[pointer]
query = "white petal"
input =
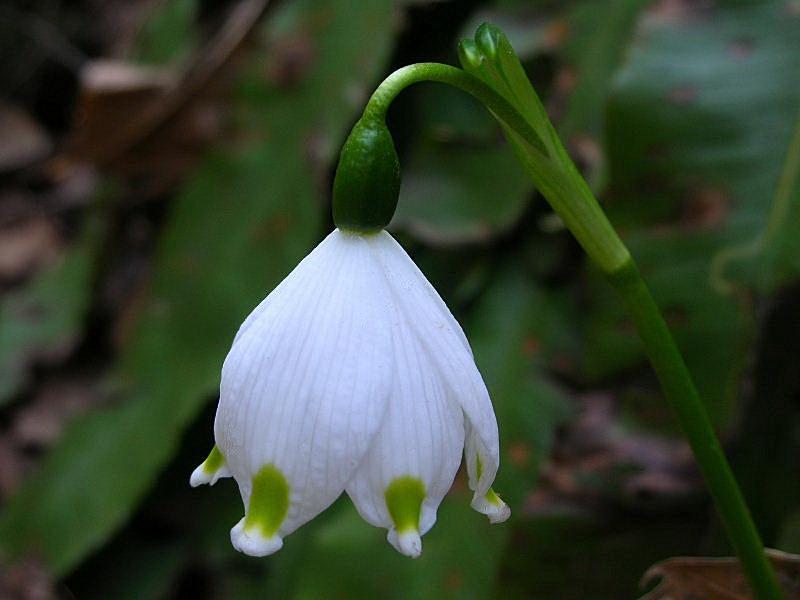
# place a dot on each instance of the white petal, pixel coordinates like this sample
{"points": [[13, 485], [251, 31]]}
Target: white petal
{"points": [[201, 476], [446, 344], [305, 385], [283, 292], [422, 437]]}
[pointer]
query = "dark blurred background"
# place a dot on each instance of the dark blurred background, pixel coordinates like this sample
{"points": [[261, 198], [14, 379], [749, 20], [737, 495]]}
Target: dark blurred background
{"points": [[164, 164]]}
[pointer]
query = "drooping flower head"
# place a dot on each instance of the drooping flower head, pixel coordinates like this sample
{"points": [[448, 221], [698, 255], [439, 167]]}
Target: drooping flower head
{"points": [[352, 375]]}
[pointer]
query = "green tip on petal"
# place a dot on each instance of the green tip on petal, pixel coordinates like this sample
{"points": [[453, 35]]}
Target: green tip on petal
{"points": [[493, 498], [492, 506], [269, 502], [214, 461], [210, 470], [404, 498]]}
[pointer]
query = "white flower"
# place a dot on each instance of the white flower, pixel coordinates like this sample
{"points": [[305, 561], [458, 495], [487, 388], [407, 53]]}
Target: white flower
{"points": [[351, 375]]}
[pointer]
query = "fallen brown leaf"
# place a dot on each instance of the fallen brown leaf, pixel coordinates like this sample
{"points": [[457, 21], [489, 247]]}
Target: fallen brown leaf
{"points": [[22, 140], [150, 125], [40, 421], [27, 246], [110, 92], [701, 578], [27, 580], [597, 461]]}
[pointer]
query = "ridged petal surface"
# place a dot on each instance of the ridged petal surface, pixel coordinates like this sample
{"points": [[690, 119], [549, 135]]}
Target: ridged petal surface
{"points": [[448, 351], [306, 383], [422, 435]]}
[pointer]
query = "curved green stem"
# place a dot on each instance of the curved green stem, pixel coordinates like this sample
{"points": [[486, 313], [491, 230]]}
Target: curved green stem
{"points": [[557, 178], [542, 155], [395, 83]]}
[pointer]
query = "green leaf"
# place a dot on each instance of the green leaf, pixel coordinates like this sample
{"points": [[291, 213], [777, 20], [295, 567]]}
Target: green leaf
{"points": [[46, 315], [168, 34], [457, 193], [136, 570], [237, 228], [711, 330], [694, 160], [600, 34], [772, 258]]}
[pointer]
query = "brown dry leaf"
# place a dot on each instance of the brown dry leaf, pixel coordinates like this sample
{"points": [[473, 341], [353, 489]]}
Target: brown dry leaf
{"points": [[22, 140], [705, 208], [27, 246], [597, 460], [27, 580], [677, 11], [112, 93], [700, 578], [39, 422], [151, 125], [14, 465], [114, 97]]}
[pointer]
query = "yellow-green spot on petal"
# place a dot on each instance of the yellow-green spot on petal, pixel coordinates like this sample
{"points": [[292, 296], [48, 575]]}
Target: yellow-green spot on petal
{"points": [[404, 498], [493, 498], [214, 462], [269, 501], [478, 467]]}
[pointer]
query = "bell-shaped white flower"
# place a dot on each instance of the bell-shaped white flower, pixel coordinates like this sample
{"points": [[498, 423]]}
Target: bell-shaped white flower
{"points": [[351, 375]]}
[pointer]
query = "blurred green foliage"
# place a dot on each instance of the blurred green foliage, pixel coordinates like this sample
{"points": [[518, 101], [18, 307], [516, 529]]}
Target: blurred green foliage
{"points": [[682, 117], [46, 316]]}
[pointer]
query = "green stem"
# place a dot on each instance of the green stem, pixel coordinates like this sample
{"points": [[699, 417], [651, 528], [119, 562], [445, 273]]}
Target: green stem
{"points": [[559, 181], [542, 154], [388, 90], [682, 395]]}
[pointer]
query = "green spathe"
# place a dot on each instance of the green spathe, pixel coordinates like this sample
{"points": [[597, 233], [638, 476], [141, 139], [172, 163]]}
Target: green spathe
{"points": [[269, 501], [404, 498], [367, 182]]}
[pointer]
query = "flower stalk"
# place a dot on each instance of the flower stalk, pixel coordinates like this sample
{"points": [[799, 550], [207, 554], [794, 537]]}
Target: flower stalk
{"points": [[681, 393], [494, 76]]}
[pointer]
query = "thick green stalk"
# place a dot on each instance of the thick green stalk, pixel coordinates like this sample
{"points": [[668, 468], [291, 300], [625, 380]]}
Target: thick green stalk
{"points": [[682, 395], [546, 160]]}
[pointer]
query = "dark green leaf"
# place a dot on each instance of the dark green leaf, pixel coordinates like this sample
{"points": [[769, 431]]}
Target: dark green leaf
{"points": [[518, 330], [46, 315], [600, 35], [461, 193], [698, 127], [168, 34]]}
